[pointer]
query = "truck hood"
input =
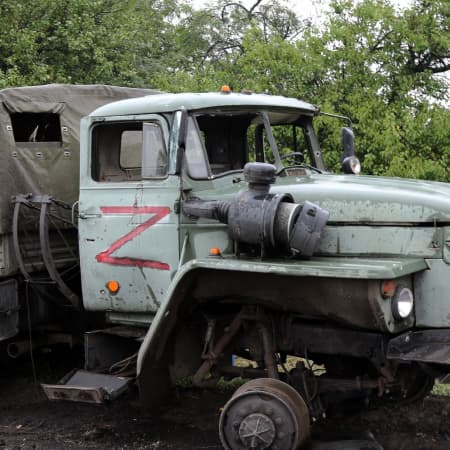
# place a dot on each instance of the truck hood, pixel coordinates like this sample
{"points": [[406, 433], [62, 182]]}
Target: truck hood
{"points": [[371, 199]]}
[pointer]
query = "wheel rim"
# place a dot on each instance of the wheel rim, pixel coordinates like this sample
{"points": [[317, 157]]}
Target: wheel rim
{"points": [[264, 414]]}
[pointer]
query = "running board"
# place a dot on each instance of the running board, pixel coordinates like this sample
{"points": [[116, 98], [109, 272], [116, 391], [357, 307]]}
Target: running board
{"points": [[87, 387]]}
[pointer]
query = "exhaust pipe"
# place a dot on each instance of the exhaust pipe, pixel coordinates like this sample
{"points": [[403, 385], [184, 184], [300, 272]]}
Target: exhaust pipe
{"points": [[19, 348]]}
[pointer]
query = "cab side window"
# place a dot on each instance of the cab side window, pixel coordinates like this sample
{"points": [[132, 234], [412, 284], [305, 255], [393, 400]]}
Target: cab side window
{"points": [[128, 151]]}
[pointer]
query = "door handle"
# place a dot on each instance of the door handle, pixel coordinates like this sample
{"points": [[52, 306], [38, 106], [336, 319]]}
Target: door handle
{"points": [[88, 216]]}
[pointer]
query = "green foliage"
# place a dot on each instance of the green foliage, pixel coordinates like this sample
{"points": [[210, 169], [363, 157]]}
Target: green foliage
{"points": [[441, 389], [87, 41], [369, 61]]}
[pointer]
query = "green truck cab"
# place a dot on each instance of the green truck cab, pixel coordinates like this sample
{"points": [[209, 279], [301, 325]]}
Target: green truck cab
{"points": [[210, 221]]}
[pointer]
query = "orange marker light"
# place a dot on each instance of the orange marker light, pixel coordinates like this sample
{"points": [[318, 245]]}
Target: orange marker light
{"points": [[388, 288], [225, 89], [214, 251], [113, 286]]}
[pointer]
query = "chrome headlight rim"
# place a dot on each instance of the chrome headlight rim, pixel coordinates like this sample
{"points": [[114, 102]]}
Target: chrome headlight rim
{"points": [[402, 303]]}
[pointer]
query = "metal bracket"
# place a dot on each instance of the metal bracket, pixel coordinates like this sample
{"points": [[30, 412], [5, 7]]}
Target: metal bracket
{"points": [[429, 346], [41, 203]]}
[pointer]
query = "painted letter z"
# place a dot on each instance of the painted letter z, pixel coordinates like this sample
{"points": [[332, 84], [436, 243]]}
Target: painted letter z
{"points": [[159, 212]]}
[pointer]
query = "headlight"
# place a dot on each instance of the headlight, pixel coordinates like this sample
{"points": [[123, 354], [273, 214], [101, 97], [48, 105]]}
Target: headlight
{"points": [[402, 303]]}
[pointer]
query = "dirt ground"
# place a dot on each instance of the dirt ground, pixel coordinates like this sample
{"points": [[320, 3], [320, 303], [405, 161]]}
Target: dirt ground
{"points": [[29, 421]]}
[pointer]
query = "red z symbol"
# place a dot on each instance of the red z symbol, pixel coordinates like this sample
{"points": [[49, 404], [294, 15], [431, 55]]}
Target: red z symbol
{"points": [[159, 213]]}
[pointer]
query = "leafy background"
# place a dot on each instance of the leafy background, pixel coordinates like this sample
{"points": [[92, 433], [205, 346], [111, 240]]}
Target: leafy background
{"points": [[384, 67]]}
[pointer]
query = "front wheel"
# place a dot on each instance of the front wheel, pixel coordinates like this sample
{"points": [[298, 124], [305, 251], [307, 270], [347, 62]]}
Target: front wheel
{"points": [[264, 414]]}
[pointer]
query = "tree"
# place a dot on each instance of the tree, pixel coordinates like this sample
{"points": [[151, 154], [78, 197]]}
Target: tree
{"points": [[366, 63], [87, 41], [389, 60], [367, 60]]}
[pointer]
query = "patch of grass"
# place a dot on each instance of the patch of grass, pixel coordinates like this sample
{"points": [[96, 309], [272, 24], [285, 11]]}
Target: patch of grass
{"points": [[183, 382], [441, 389], [222, 384], [230, 385]]}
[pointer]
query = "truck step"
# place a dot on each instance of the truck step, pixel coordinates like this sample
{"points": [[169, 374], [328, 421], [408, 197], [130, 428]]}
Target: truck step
{"points": [[87, 387]]}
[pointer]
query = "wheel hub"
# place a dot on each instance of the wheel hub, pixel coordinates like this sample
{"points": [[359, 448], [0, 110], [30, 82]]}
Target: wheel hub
{"points": [[257, 431], [264, 414]]}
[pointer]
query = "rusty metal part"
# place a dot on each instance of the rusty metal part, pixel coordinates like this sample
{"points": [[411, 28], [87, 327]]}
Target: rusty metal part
{"points": [[58, 256], [269, 356], [15, 349], [104, 348], [9, 309], [264, 414], [213, 355], [258, 430], [305, 382], [209, 336], [18, 348], [411, 384], [428, 346], [387, 372], [342, 385], [294, 336], [87, 387]]}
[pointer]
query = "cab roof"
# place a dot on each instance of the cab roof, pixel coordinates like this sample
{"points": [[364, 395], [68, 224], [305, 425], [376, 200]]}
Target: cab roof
{"points": [[162, 103]]}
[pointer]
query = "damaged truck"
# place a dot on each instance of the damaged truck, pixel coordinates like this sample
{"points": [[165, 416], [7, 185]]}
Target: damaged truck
{"points": [[202, 237], [210, 229]]}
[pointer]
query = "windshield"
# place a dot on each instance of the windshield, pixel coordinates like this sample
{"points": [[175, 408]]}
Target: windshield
{"points": [[224, 141]]}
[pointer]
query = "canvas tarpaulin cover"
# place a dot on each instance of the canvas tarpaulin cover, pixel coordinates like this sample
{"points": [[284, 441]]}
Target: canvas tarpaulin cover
{"points": [[39, 139]]}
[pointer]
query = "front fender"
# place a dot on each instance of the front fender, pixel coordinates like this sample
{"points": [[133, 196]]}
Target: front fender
{"points": [[152, 349]]}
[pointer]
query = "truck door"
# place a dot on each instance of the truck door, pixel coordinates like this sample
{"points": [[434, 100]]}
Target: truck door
{"points": [[128, 229]]}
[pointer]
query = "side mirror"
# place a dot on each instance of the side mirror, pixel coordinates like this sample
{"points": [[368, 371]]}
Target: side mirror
{"points": [[349, 162], [351, 165], [348, 142]]}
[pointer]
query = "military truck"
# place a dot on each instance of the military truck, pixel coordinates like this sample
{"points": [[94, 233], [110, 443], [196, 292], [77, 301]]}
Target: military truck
{"points": [[210, 232], [39, 170]]}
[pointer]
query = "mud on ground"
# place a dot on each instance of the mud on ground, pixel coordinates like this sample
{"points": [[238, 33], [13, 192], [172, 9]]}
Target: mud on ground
{"points": [[29, 421]]}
